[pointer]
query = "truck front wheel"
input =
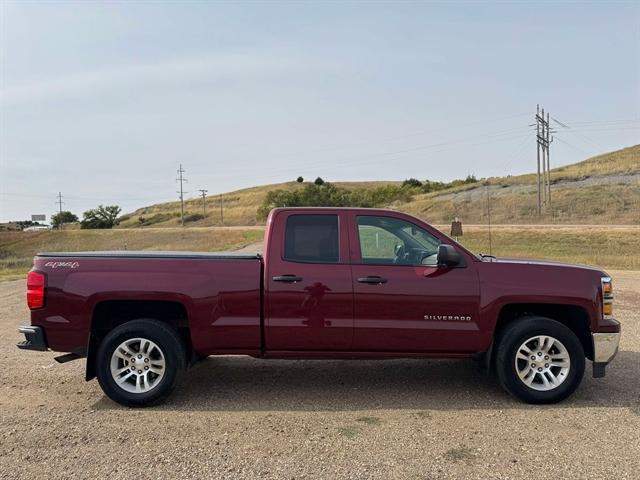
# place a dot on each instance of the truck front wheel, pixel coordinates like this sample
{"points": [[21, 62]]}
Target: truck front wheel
{"points": [[539, 360], [138, 362]]}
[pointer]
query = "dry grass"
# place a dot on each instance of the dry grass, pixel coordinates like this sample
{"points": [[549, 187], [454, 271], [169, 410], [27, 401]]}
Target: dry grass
{"points": [[18, 248], [614, 248], [597, 204], [617, 248]]}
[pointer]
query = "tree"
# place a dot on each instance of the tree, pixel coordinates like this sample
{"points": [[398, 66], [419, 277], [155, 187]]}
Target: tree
{"points": [[61, 218], [101, 217], [22, 224], [318, 181], [299, 179]]}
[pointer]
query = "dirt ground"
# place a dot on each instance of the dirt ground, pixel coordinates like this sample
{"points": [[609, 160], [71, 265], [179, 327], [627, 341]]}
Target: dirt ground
{"points": [[245, 418]]}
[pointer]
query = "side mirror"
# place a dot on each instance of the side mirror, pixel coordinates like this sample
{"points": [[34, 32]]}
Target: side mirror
{"points": [[448, 256]]}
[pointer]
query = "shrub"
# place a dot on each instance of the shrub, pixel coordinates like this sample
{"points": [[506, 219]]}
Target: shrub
{"points": [[299, 179], [328, 195], [194, 217], [412, 182]]}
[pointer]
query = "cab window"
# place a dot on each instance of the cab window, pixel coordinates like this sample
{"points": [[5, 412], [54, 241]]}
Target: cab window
{"points": [[392, 241], [312, 239]]}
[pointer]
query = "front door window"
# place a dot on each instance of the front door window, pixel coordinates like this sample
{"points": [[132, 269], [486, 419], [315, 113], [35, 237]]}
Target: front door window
{"points": [[392, 241]]}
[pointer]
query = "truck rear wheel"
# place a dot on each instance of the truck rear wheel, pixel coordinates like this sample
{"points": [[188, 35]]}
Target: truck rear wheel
{"points": [[138, 363], [539, 360]]}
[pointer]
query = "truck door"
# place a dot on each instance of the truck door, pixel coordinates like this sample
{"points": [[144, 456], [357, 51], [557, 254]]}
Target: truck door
{"points": [[308, 287], [403, 302]]}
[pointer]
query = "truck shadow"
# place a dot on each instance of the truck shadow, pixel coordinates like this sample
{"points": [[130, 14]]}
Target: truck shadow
{"points": [[243, 383]]}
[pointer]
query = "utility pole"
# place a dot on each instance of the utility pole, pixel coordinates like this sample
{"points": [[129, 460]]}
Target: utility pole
{"points": [[221, 214], [181, 179], [59, 202], [538, 144], [203, 192], [549, 140], [543, 140]]}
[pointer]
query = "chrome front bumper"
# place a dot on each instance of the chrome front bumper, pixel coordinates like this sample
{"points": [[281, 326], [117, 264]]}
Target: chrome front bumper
{"points": [[605, 348]]}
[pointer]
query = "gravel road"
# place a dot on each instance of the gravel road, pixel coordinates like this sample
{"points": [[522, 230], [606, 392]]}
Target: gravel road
{"points": [[245, 418]]}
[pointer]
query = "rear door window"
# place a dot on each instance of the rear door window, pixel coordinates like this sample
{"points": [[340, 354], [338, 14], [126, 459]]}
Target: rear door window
{"points": [[312, 239]]}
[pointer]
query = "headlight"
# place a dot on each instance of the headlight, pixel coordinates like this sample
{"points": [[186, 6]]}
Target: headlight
{"points": [[607, 297]]}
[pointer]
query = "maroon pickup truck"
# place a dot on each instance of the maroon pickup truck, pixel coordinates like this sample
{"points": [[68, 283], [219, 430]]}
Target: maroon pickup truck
{"points": [[331, 283]]}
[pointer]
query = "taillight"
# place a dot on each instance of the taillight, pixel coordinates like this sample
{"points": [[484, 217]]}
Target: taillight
{"points": [[607, 297], [35, 290]]}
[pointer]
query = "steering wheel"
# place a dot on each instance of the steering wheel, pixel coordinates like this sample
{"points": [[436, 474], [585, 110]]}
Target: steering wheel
{"points": [[400, 253]]}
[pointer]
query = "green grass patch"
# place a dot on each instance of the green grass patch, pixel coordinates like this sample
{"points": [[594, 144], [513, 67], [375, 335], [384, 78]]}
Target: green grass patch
{"points": [[461, 454], [350, 431]]}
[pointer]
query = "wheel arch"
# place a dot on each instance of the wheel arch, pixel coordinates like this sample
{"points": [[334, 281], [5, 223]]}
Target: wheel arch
{"points": [[110, 314], [574, 317]]}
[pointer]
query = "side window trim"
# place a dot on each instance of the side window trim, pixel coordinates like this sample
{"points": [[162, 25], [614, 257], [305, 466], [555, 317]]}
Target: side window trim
{"points": [[356, 226]]}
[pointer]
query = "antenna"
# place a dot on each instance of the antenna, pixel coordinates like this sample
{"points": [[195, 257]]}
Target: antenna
{"points": [[486, 189]]}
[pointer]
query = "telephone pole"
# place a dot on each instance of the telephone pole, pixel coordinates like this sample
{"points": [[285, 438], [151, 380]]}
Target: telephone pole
{"points": [[181, 179], [221, 214], [549, 140], [59, 202], [538, 151], [203, 192], [543, 140]]}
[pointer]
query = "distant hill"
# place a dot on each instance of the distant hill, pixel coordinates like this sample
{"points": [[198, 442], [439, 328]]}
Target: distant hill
{"points": [[601, 190]]}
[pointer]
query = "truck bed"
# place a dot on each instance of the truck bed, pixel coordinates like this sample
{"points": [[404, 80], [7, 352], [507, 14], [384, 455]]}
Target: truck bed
{"points": [[218, 294]]}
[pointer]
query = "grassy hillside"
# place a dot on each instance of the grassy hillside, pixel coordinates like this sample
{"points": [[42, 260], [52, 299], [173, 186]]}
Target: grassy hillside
{"points": [[239, 207], [600, 190]]}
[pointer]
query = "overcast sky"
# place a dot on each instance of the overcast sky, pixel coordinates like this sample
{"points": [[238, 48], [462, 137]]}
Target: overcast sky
{"points": [[102, 101]]}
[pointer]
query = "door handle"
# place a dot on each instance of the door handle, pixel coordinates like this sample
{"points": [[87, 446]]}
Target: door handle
{"points": [[372, 280], [287, 278]]}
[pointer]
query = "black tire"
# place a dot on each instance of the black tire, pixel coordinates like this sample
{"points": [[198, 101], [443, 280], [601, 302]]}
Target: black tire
{"points": [[519, 331], [165, 337]]}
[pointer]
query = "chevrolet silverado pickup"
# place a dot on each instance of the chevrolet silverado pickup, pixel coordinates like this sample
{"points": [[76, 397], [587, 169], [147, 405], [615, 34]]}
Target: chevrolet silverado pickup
{"points": [[331, 283]]}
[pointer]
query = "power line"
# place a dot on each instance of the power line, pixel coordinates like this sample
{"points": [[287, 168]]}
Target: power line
{"points": [[572, 146], [366, 159], [181, 179], [582, 135], [401, 137]]}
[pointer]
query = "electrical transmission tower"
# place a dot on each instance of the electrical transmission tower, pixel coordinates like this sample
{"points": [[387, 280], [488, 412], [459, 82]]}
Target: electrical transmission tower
{"points": [[203, 192], [543, 140], [181, 179], [59, 202]]}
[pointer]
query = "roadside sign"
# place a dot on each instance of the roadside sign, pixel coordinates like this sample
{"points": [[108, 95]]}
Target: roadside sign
{"points": [[38, 218]]}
